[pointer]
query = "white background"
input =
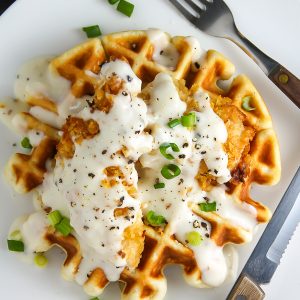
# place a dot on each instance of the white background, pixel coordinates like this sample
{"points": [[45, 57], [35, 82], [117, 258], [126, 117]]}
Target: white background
{"points": [[35, 27]]}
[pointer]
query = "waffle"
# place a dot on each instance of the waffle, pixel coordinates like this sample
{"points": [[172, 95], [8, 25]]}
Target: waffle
{"points": [[258, 160]]}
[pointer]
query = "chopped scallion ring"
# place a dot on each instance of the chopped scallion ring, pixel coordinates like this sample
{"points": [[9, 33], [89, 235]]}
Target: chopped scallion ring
{"points": [[92, 31], [246, 103], [174, 123], [170, 171], [207, 207], [159, 185], [154, 219], [188, 120], [16, 235], [125, 8], [41, 260], [112, 2], [64, 226], [16, 246], [54, 217], [25, 143], [165, 146], [194, 238]]}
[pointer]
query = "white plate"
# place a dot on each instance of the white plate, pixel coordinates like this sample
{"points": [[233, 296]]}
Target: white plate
{"points": [[37, 27]]}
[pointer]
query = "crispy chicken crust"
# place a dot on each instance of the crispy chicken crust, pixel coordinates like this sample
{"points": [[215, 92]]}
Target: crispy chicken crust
{"points": [[75, 130]]}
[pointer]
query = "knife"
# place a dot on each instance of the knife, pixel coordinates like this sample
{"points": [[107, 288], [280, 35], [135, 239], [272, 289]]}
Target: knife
{"points": [[266, 256]]}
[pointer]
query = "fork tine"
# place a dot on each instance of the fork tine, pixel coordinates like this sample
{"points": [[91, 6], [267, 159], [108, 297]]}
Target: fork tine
{"points": [[194, 6], [184, 11]]}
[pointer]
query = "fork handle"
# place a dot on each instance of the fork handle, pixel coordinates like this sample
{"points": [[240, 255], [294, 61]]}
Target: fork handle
{"points": [[287, 82]]}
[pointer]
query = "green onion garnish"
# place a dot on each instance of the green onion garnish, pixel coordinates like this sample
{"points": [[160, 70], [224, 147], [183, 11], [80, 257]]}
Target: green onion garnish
{"points": [[95, 298], [54, 217], [17, 246], [170, 171], [207, 207], [92, 31], [159, 185], [154, 219], [174, 123], [40, 260], [125, 8], [188, 120], [246, 103], [16, 235], [165, 146], [64, 226], [112, 2], [194, 238], [25, 143]]}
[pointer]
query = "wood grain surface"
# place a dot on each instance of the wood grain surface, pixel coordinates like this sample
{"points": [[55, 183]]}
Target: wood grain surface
{"points": [[287, 82], [245, 288]]}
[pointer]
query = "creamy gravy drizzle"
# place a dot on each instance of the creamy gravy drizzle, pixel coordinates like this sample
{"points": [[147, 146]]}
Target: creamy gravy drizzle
{"points": [[198, 54], [9, 110], [164, 53], [71, 188], [76, 183], [174, 201], [37, 78]]}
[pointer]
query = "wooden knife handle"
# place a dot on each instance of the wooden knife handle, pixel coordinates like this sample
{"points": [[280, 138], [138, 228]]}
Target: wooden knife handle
{"points": [[247, 289], [287, 82]]}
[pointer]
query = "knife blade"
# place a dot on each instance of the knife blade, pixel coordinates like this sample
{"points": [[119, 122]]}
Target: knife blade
{"points": [[266, 256]]}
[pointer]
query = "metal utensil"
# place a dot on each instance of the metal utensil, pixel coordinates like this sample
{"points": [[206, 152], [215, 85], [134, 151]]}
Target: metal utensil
{"points": [[266, 256], [215, 18], [4, 4]]}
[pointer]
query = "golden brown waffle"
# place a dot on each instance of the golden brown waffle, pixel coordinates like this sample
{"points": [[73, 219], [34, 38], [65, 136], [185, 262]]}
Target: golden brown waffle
{"points": [[26, 171], [73, 66], [257, 161]]}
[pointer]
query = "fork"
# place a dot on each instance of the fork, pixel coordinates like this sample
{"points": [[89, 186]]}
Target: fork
{"points": [[215, 18]]}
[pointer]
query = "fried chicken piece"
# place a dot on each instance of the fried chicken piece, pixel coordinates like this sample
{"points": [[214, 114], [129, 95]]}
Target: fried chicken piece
{"points": [[133, 243], [114, 176], [240, 135], [103, 98], [76, 129], [206, 181]]}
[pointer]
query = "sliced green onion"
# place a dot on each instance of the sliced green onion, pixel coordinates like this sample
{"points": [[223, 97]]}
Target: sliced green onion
{"points": [[16, 235], [194, 238], [112, 2], [92, 31], [64, 226], [188, 120], [40, 260], [54, 217], [165, 146], [207, 207], [246, 103], [174, 123], [95, 298], [125, 8], [170, 171], [154, 219], [17, 246], [159, 185], [25, 143]]}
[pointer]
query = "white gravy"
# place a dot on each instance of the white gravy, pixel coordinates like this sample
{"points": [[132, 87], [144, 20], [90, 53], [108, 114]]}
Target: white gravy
{"points": [[74, 187]]}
